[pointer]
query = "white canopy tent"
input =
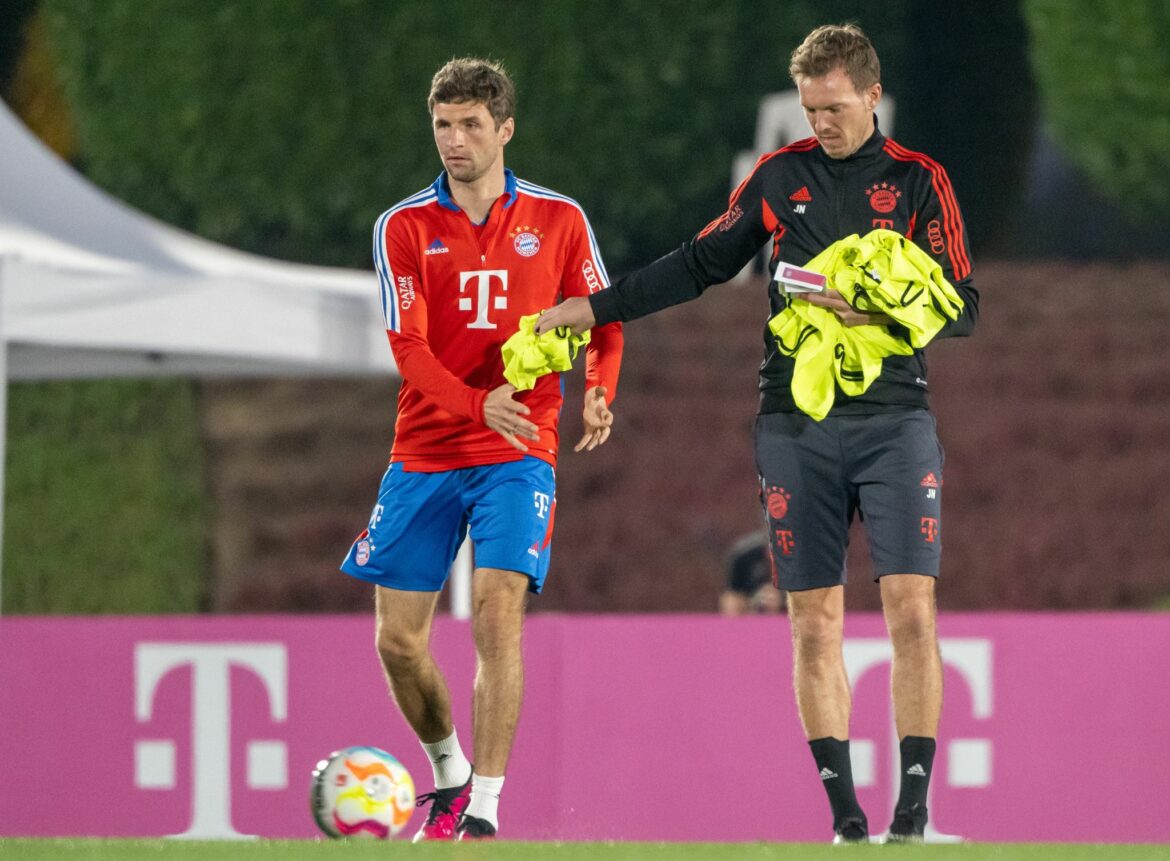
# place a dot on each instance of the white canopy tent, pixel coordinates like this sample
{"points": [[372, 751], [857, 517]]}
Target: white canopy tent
{"points": [[92, 288]]}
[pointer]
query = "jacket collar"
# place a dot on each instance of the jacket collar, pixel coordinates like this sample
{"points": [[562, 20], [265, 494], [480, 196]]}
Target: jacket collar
{"points": [[872, 146], [442, 187]]}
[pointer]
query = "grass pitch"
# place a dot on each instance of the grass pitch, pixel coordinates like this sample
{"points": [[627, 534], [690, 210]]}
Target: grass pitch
{"points": [[292, 850]]}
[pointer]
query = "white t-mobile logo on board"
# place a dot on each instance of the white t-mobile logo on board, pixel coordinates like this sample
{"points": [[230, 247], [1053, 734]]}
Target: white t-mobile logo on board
{"points": [[964, 763], [209, 668], [481, 293]]}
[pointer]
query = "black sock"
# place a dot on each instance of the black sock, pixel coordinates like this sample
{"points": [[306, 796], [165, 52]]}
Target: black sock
{"points": [[917, 763], [832, 758]]}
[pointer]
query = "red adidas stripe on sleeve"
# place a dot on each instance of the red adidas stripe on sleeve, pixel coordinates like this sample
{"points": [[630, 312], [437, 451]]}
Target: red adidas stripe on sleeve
{"points": [[798, 146], [952, 220]]}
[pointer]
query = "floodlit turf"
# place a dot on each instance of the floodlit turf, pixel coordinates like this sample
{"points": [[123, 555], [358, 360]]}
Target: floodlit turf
{"points": [[291, 850]]}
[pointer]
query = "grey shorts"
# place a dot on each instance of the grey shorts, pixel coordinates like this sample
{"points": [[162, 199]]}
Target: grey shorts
{"points": [[815, 475]]}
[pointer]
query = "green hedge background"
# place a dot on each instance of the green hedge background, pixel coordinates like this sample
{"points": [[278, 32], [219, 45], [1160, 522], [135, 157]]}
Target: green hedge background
{"points": [[106, 511], [1104, 72], [285, 128]]}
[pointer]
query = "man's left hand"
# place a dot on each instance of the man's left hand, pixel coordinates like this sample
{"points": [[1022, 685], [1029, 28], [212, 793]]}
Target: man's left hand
{"points": [[598, 420], [833, 300]]}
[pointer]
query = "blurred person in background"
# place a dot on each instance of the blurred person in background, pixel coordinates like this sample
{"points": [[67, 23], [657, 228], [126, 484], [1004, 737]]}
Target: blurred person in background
{"points": [[876, 453], [460, 263], [748, 587]]}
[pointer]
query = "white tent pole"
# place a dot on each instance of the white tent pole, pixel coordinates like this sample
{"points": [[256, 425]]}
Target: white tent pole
{"points": [[3, 425], [461, 582]]}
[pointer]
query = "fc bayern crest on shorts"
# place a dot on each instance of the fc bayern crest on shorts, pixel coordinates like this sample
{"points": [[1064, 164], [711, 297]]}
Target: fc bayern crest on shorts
{"points": [[527, 242], [363, 553], [777, 502]]}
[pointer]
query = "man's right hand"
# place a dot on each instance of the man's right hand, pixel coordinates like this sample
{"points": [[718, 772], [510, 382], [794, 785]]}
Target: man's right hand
{"points": [[506, 417], [845, 312], [575, 312]]}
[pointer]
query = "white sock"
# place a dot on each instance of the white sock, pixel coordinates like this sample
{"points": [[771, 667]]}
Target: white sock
{"points": [[450, 765], [485, 798]]}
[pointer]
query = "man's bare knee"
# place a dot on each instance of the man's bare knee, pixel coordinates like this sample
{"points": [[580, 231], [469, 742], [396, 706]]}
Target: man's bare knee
{"points": [[909, 606], [817, 620], [400, 651], [498, 612], [404, 627], [914, 626], [497, 626], [816, 642]]}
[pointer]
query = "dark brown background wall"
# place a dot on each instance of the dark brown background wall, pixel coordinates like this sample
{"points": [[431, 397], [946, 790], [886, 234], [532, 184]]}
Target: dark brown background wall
{"points": [[1055, 417]]}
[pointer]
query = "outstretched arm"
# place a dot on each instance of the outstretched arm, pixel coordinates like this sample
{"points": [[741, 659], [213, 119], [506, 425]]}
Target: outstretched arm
{"points": [[713, 256], [575, 312]]}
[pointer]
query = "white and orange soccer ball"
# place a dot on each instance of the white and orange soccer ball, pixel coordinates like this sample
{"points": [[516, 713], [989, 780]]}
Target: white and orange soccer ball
{"points": [[361, 792]]}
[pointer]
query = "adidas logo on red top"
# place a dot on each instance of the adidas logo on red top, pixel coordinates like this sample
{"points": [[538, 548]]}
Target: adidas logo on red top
{"points": [[929, 480], [801, 196], [437, 247]]}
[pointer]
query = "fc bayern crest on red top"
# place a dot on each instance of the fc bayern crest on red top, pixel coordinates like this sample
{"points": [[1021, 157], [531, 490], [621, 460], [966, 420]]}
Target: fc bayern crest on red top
{"points": [[883, 197], [526, 240]]}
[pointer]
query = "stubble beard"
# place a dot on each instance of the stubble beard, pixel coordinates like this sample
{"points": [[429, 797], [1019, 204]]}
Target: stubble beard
{"points": [[466, 172]]}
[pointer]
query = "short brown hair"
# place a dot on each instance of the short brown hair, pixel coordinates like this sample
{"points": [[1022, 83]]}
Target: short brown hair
{"points": [[469, 79], [837, 46]]}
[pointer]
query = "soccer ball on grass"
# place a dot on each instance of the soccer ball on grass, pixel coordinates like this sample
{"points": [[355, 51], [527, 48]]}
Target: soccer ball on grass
{"points": [[361, 792]]}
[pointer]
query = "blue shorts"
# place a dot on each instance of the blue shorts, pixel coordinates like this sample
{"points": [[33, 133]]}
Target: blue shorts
{"points": [[421, 519]]}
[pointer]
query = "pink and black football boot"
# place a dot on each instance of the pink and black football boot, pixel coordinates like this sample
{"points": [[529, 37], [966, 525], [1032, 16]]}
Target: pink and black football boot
{"points": [[447, 805], [474, 828]]}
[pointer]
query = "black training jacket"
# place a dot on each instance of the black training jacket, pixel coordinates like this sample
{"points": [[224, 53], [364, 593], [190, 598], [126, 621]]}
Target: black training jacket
{"points": [[803, 201]]}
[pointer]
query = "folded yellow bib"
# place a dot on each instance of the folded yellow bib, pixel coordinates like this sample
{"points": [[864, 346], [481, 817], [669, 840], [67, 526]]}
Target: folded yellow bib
{"points": [[528, 356], [879, 273]]}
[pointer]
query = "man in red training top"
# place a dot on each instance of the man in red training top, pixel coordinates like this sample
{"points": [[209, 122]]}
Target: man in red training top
{"points": [[460, 263]]}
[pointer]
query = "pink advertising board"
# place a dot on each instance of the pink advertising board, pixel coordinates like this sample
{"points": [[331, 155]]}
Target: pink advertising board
{"points": [[1055, 728]]}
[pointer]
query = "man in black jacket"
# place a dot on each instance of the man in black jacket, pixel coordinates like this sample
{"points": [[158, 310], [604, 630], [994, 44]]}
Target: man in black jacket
{"points": [[875, 452]]}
